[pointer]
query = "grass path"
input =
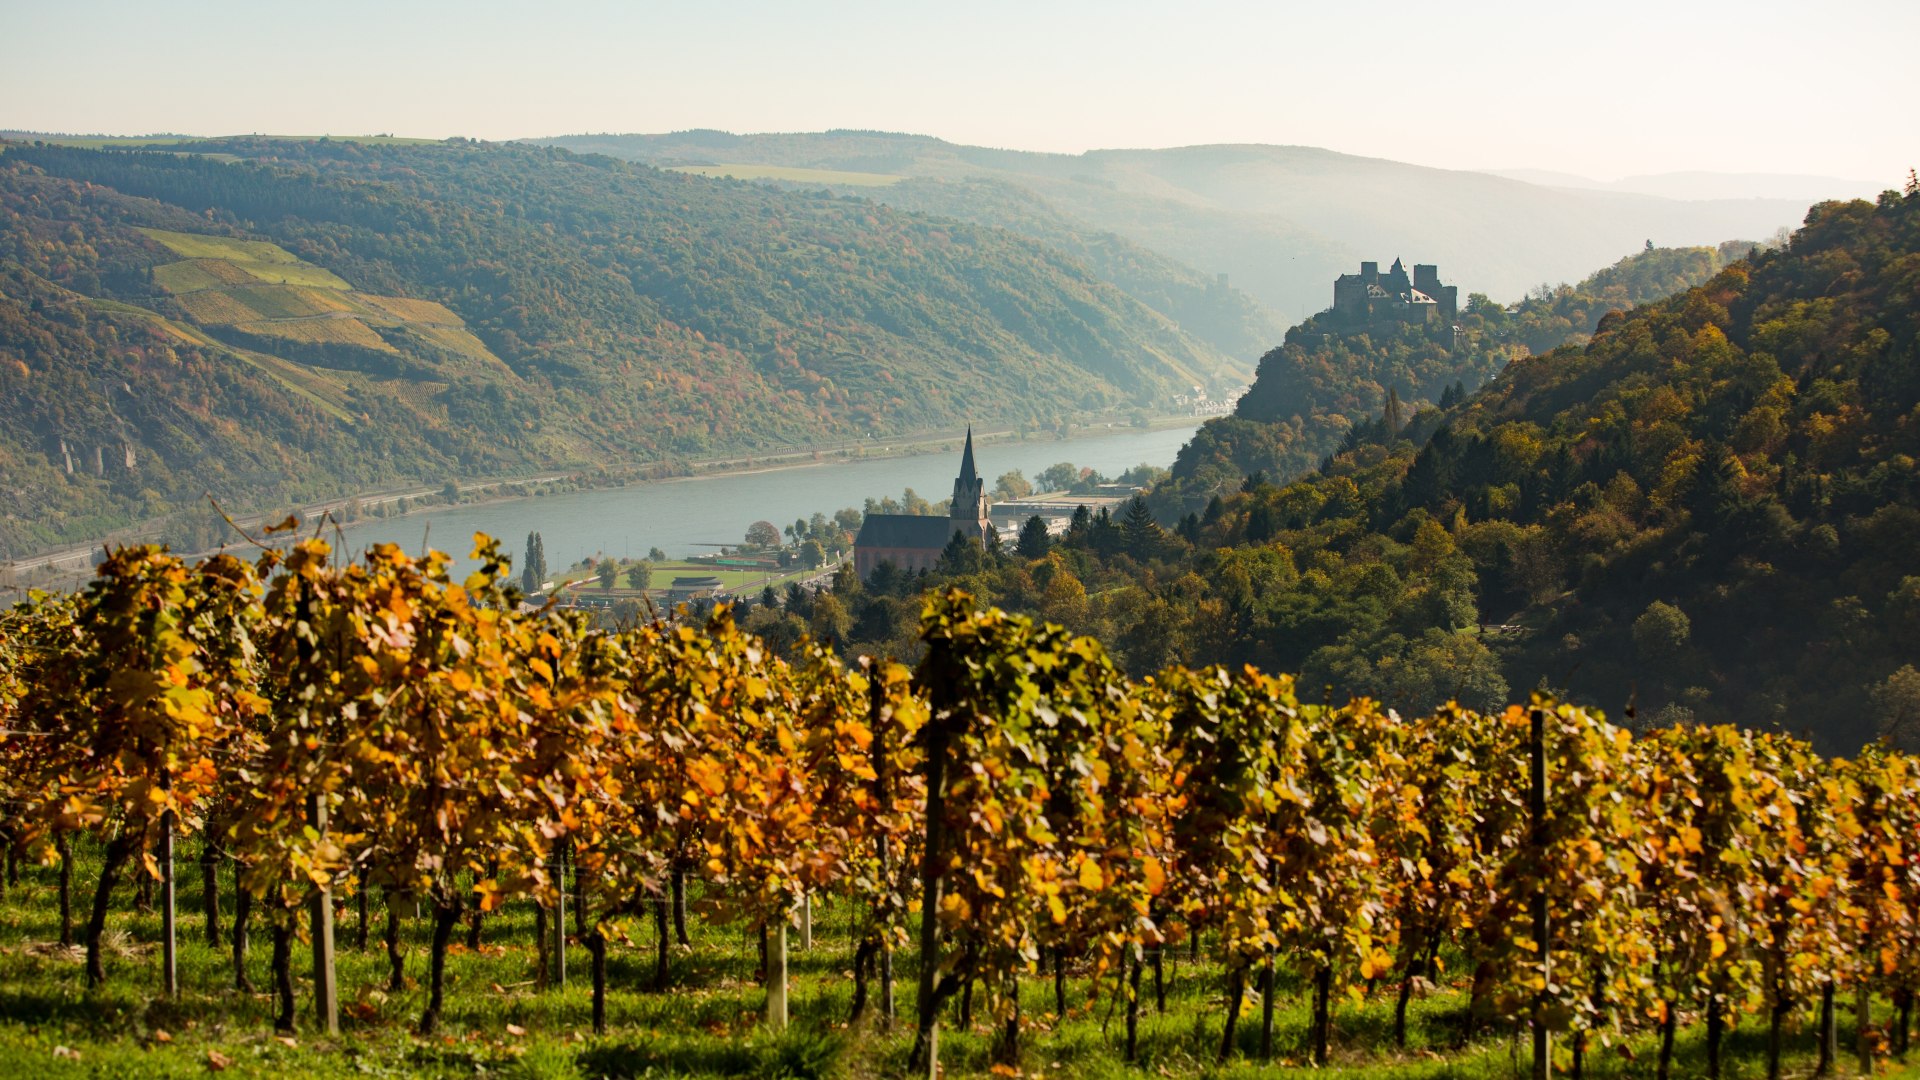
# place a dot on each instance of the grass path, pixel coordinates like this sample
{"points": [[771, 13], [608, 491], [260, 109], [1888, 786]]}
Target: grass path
{"points": [[706, 1025]]}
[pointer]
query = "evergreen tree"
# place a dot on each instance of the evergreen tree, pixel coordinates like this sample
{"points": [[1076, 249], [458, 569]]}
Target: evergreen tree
{"points": [[962, 555], [533, 570], [1107, 538], [1033, 542], [1139, 531], [1081, 526]]}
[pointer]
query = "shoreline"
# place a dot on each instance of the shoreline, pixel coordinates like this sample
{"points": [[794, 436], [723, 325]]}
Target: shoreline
{"points": [[65, 567]]}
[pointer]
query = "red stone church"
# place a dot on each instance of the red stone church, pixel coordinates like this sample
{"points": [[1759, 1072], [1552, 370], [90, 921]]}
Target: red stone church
{"points": [[913, 542]]}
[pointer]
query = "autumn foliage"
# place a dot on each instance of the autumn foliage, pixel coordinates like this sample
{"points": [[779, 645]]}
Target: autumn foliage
{"points": [[1025, 796]]}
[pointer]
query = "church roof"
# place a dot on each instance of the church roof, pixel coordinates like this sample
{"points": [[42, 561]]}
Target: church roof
{"points": [[907, 531]]}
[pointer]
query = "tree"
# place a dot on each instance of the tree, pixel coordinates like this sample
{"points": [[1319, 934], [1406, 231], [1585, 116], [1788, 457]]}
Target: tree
{"points": [[1034, 541], [962, 555], [812, 554], [1140, 532], [533, 570], [639, 576], [1059, 477], [654, 554], [1012, 485], [762, 535], [1081, 526], [1661, 632], [607, 572]]}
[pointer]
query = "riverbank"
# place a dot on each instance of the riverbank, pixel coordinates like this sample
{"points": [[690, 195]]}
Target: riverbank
{"points": [[70, 567]]}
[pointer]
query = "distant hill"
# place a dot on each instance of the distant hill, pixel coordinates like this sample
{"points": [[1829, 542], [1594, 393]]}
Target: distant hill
{"points": [[275, 320], [1280, 221], [1707, 185]]}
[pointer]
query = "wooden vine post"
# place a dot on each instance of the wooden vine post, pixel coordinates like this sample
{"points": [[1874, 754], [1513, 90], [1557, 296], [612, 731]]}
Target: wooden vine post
{"points": [[559, 969], [326, 995], [926, 1052], [1542, 939], [886, 956], [777, 975], [169, 940]]}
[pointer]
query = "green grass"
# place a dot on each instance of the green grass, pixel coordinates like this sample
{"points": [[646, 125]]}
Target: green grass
{"points": [[793, 174], [708, 1025], [267, 262], [664, 573]]}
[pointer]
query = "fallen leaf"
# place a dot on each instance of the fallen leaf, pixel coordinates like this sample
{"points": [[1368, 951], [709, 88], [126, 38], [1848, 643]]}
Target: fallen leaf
{"points": [[289, 1042], [216, 1061], [516, 1030], [160, 1036], [64, 1052]]}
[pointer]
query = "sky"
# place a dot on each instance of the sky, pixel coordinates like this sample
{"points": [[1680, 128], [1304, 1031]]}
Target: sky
{"points": [[1605, 89]]}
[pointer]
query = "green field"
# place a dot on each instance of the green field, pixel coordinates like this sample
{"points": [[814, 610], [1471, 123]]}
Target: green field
{"points": [[664, 573], [267, 262], [793, 174], [265, 290], [705, 1024]]}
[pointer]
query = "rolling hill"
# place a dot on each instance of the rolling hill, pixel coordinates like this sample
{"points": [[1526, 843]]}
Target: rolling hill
{"points": [[1281, 221], [342, 313]]}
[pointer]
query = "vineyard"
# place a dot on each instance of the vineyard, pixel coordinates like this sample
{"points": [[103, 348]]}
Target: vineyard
{"points": [[1024, 857]]}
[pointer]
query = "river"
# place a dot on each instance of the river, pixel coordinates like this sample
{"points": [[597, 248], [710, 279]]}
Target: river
{"points": [[686, 517]]}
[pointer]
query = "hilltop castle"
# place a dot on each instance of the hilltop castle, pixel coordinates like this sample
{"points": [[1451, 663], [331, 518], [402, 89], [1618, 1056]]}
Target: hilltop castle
{"points": [[1373, 297], [915, 541]]}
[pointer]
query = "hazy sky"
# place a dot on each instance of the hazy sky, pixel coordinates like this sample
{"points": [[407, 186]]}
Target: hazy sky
{"points": [[1606, 89]]}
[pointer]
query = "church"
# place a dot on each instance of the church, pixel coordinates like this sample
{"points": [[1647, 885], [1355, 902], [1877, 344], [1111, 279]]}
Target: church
{"points": [[913, 542]]}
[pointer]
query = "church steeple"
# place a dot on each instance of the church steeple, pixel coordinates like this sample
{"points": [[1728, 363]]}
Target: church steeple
{"points": [[969, 491]]}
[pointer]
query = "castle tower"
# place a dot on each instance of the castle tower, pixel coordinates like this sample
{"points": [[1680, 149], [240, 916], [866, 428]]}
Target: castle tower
{"points": [[969, 491]]}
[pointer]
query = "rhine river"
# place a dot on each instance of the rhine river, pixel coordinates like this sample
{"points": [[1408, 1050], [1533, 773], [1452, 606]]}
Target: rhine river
{"points": [[686, 517]]}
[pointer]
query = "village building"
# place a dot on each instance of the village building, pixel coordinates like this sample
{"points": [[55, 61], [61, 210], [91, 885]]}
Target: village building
{"points": [[1371, 297], [913, 542], [685, 589]]}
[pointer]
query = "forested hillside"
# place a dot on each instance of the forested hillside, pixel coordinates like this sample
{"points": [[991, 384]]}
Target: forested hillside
{"points": [[273, 320], [1204, 305], [1707, 511], [1323, 385]]}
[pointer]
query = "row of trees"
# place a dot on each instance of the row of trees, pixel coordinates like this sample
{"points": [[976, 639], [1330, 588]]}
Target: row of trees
{"points": [[379, 726]]}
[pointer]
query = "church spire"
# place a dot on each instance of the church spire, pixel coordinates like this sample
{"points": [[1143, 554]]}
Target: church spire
{"points": [[969, 491], [967, 472]]}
